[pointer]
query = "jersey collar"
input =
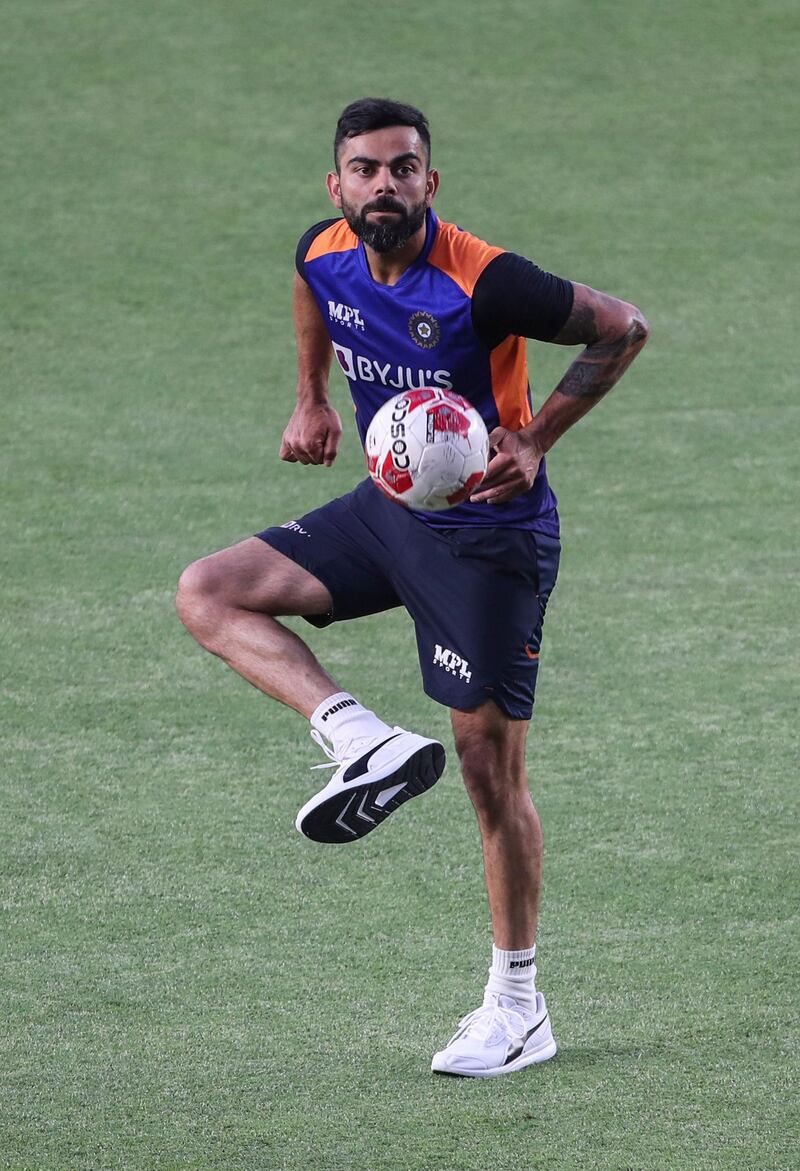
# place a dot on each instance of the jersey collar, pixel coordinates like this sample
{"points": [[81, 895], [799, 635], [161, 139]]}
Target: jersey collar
{"points": [[431, 228]]}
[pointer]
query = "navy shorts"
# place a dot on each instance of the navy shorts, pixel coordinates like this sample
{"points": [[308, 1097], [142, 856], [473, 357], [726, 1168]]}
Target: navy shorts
{"points": [[477, 595]]}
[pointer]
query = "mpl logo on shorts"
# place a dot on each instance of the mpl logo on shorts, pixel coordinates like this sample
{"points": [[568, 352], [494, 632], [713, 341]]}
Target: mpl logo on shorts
{"points": [[345, 315], [452, 663]]}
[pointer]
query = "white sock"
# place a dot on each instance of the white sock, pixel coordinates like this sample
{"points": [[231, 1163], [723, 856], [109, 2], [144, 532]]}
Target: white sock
{"points": [[513, 973], [342, 719]]}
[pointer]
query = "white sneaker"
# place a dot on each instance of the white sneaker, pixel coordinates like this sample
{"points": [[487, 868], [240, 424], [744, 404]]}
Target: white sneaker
{"points": [[369, 784], [499, 1037]]}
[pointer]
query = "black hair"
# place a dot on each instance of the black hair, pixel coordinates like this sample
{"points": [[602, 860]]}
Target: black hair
{"points": [[374, 114]]}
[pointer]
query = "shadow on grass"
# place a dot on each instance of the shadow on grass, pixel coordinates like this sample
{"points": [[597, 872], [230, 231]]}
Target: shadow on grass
{"points": [[583, 1056]]}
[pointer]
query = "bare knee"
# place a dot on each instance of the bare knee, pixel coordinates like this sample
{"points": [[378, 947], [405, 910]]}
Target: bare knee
{"points": [[236, 578], [200, 600], [249, 577], [488, 785], [493, 768]]}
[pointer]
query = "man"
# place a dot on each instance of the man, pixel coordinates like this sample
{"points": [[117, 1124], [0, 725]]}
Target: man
{"points": [[405, 300]]}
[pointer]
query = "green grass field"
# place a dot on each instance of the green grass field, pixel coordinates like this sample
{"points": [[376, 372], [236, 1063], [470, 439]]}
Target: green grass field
{"points": [[186, 982]]}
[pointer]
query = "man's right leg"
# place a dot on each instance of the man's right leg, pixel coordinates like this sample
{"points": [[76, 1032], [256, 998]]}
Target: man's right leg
{"points": [[228, 602]]}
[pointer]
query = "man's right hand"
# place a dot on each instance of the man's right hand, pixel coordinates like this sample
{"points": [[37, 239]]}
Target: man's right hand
{"points": [[312, 435]]}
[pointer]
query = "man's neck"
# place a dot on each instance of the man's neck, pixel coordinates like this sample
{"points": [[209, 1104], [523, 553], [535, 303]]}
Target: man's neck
{"points": [[387, 268]]}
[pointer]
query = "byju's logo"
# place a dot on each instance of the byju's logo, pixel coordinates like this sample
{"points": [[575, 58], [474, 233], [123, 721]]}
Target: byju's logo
{"points": [[452, 663], [345, 315], [296, 528], [360, 369]]}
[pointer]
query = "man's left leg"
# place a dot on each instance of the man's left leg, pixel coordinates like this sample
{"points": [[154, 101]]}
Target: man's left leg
{"points": [[491, 751], [512, 1028]]}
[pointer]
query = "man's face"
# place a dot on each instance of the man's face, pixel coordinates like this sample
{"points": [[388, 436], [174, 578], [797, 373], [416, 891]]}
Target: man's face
{"points": [[383, 186]]}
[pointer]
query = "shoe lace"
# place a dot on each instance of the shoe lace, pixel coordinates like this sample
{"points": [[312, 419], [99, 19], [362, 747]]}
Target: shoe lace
{"points": [[492, 1022], [350, 751], [319, 739]]}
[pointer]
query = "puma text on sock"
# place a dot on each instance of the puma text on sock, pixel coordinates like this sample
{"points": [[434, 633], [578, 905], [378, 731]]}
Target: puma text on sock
{"points": [[513, 973], [342, 720]]}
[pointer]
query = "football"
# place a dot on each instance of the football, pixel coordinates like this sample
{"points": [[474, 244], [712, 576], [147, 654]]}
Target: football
{"points": [[427, 449]]}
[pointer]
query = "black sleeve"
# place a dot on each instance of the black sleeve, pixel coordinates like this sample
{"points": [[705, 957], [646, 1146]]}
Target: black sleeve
{"points": [[306, 241], [514, 296]]}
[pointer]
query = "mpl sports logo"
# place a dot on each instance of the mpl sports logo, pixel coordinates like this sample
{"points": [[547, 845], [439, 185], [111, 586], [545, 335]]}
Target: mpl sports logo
{"points": [[358, 368], [345, 315], [452, 663]]}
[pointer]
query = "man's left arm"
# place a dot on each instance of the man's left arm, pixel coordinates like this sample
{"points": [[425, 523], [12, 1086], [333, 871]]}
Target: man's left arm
{"points": [[613, 333]]}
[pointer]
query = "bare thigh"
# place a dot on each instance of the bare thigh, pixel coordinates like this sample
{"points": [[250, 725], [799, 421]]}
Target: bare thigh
{"points": [[253, 576]]}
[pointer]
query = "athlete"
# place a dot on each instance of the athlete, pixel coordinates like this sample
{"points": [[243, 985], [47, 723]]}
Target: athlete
{"points": [[405, 300]]}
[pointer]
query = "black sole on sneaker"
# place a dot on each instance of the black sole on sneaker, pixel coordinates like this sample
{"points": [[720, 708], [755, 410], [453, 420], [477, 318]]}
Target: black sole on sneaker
{"points": [[353, 813]]}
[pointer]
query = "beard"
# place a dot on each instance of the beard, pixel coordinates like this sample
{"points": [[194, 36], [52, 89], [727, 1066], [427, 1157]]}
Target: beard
{"points": [[389, 235]]}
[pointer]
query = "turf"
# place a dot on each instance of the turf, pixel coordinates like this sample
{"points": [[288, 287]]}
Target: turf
{"points": [[186, 982]]}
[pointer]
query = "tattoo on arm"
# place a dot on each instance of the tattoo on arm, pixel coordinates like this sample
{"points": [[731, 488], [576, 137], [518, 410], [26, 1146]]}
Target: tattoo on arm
{"points": [[613, 332], [580, 327], [602, 363]]}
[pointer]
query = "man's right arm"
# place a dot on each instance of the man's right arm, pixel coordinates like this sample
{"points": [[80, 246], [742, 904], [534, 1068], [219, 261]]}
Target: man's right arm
{"points": [[314, 431]]}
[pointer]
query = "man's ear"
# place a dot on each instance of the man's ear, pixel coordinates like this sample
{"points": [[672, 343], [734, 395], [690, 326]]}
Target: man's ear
{"points": [[334, 189]]}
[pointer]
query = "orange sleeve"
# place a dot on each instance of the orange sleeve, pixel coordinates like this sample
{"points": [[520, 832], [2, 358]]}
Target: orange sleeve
{"points": [[462, 256], [509, 362], [339, 237]]}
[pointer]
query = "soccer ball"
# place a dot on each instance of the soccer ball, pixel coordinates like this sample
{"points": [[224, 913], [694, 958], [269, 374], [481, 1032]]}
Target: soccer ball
{"points": [[427, 449]]}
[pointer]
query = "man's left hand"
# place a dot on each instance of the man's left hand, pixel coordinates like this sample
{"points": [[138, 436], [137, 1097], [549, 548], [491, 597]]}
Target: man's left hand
{"points": [[511, 470]]}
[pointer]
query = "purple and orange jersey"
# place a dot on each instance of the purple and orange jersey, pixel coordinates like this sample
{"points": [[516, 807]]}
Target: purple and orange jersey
{"points": [[457, 318]]}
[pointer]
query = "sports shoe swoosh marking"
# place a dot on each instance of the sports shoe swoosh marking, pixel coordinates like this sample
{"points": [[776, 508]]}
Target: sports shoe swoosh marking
{"points": [[518, 1050], [360, 765], [344, 824], [360, 811]]}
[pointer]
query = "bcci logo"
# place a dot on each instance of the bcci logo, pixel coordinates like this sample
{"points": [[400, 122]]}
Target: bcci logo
{"points": [[424, 330]]}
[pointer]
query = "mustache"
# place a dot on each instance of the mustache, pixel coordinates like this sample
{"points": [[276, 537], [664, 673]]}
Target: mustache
{"points": [[384, 204]]}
